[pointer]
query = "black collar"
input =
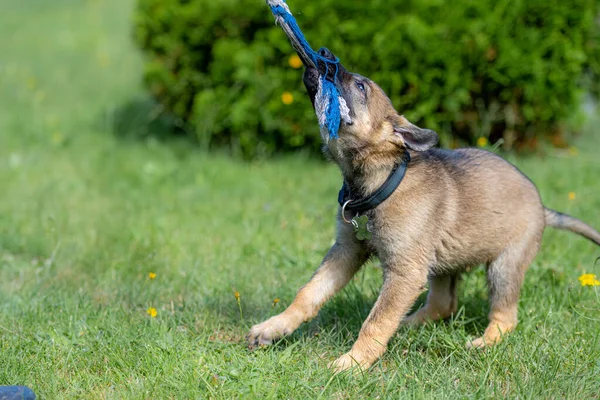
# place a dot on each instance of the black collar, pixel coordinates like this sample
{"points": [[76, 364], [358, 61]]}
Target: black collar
{"points": [[378, 196]]}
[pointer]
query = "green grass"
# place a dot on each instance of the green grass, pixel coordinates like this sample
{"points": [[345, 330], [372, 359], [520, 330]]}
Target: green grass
{"points": [[92, 201]]}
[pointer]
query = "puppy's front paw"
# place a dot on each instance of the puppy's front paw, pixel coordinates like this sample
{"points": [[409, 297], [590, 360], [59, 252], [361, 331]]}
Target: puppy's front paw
{"points": [[479, 343], [348, 361], [266, 332]]}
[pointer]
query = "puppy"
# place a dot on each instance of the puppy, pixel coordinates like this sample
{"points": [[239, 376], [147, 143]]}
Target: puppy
{"points": [[453, 210]]}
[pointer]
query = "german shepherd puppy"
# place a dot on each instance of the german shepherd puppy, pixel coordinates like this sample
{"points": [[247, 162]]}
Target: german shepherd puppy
{"points": [[453, 210]]}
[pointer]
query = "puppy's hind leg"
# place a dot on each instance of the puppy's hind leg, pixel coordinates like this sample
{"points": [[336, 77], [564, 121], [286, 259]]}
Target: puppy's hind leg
{"points": [[441, 301], [505, 276]]}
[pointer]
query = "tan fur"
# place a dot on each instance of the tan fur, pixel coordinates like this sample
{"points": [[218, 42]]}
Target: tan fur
{"points": [[441, 301], [453, 210]]}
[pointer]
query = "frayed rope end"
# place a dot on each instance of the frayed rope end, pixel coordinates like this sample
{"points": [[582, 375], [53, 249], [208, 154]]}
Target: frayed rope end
{"points": [[331, 108]]}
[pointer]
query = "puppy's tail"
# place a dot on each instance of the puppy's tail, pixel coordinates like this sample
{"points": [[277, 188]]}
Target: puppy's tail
{"points": [[559, 220]]}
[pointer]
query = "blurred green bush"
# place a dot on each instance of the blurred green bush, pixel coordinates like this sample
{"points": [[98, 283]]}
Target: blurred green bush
{"points": [[510, 69]]}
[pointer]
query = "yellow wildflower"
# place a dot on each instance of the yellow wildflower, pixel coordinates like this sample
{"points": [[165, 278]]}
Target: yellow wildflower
{"points": [[275, 301], [589, 280], [295, 61], [151, 311], [57, 137], [31, 82], [151, 275], [103, 59], [482, 141], [572, 196], [287, 98], [239, 303]]}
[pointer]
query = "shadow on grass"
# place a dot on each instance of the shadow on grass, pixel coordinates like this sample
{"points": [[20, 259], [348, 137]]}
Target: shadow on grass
{"points": [[349, 310], [143, 118], [342, 317]]}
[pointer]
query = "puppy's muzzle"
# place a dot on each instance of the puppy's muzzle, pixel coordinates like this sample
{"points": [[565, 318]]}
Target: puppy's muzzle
{"points": [[311, 74], [311, 82]]}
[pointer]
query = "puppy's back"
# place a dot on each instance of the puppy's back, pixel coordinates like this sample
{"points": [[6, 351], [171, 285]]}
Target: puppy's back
{"points": [[483, 203]]}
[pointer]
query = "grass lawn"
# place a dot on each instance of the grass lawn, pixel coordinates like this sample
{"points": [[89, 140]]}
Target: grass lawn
{"points": [[91, 204]]}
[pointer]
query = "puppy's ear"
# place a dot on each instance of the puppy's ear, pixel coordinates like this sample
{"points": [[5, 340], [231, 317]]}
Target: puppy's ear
{"points": [[412, 136]]}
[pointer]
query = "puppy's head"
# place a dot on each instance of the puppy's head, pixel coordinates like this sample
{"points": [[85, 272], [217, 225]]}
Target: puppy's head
{"points": [[375, 128]]}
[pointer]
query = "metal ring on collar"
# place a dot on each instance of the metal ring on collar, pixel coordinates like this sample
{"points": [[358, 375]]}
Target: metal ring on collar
{"points": [[344, 212]]}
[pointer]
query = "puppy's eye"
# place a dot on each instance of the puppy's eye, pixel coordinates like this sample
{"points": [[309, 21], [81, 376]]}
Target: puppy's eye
{"points": [[361, 87]]}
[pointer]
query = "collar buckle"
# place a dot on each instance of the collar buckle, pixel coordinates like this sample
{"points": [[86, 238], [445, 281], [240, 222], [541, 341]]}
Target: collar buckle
{"points": [[344, 213]]}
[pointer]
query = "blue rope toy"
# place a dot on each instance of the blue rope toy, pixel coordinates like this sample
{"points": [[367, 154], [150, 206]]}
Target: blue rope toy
{"points": [[330, 107]]}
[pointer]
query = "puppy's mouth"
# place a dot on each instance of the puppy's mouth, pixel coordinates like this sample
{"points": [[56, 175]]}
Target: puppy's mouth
{"points": [[313, 72], [332, 72], [311, 82]]}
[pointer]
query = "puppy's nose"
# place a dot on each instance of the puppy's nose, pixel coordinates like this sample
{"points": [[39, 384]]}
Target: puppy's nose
{"points": [[324, 52], [324, 67]]}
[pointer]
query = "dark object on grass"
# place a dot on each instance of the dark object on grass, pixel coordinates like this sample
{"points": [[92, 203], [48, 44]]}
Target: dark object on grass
{"points": [[16, 393]]}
